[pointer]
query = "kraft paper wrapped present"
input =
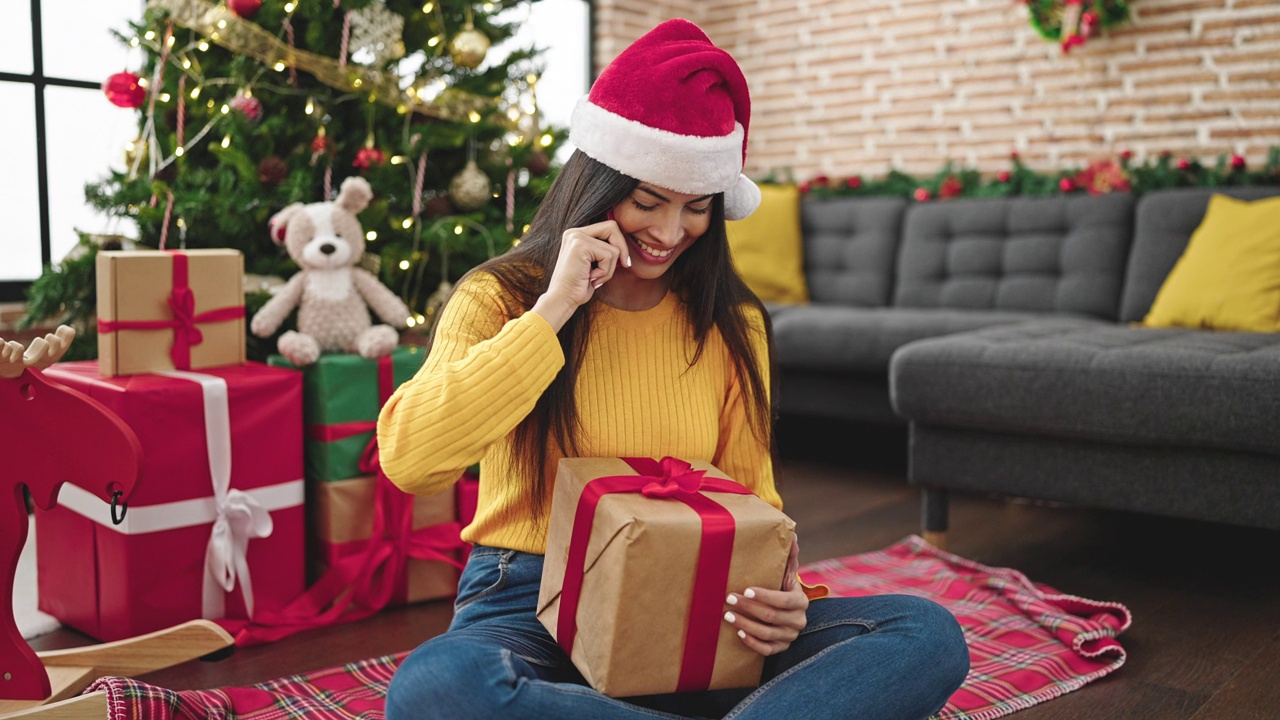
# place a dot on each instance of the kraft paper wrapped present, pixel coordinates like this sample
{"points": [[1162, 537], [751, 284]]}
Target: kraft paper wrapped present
{"points": [[341, 517], [215, 527], [342, 394], [640, 557], [169, 310]]}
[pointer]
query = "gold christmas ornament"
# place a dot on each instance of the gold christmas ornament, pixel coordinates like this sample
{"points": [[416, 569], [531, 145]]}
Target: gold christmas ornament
{"points": [[135, 155], [468, 47], [471, 188]]}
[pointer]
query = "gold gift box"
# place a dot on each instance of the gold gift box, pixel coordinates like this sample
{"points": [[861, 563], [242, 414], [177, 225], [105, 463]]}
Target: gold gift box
{"points": [[641, 561], [341, 513], [136, 286]]}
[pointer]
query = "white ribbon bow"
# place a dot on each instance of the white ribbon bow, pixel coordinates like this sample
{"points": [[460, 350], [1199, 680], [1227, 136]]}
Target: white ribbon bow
{"points": [[240, 517]]}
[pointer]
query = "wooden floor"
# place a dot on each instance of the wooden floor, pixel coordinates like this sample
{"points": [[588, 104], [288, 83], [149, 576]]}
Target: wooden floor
{"points": [[1204, 645]]}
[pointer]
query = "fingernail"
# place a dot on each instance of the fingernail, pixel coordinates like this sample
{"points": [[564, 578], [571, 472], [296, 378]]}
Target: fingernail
{"points": [[742, 634], [732, 599], [628, 261], [730, 617], [749, 593], [595, 286]]}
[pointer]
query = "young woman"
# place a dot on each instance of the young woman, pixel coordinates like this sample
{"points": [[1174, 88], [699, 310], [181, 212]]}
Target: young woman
{"points": [[618, 327]]}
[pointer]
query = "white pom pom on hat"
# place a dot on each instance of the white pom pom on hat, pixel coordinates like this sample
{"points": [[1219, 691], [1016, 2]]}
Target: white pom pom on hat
{"points": [[673, 110]]}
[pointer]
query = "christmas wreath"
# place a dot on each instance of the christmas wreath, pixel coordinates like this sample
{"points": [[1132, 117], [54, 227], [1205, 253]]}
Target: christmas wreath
{"points": [[1073, 22]]}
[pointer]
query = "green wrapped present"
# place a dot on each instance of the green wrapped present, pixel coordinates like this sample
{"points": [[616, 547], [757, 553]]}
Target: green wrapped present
{"points": [[342, 394]]}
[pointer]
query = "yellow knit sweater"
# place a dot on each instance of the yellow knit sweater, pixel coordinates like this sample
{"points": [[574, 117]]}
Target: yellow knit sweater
{"points": [[637, 397]]}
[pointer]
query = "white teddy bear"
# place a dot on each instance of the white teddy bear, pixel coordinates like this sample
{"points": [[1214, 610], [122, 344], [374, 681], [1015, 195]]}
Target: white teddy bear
{"points": [[332, 295]]}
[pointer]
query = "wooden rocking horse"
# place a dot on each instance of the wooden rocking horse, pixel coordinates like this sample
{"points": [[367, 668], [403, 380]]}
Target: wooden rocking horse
{"points": [[69, 437]]}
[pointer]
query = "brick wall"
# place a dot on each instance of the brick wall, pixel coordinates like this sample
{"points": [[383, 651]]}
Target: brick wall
{"points": [[844, 87]]}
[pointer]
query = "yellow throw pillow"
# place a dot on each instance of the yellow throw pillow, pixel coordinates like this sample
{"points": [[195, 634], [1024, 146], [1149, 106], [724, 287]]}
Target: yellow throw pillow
{"points": [[768, 249], [1228, 278]]}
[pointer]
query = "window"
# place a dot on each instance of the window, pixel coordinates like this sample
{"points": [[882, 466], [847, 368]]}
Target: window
{"points": [[60, 131]]}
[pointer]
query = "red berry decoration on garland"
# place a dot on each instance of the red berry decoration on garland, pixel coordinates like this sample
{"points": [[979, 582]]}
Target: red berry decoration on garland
{"points": [[244, 8], [1237, 162], [951, 187], [1066, 185], [368, 157], [124, 89], [1004, 176], [921, 194], [804, 188], [1184, 164], [854, 182]]}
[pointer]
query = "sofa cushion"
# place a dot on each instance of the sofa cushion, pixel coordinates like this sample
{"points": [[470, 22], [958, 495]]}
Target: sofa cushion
{"points": [[1229, 276], [1054, 254], [1163, 224], [863, 339], [849, 248], [1099, 381], [767, 247]]}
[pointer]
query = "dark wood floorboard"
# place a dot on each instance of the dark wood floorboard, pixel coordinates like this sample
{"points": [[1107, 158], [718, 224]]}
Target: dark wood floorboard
{"points": [[1204, 645]]}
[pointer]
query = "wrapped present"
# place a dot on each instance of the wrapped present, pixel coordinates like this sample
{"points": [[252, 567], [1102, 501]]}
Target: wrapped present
{"points": [[169, 310], [215, 527], [342, 520], [343, 393], [640, 557]]}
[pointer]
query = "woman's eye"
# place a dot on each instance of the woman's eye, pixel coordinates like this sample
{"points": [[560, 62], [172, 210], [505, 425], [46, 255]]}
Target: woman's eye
{"points": [[700, 211], [644, 208]]}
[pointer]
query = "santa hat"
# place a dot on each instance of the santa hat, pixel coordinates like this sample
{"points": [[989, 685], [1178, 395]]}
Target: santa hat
{"points": [[672, 109]]}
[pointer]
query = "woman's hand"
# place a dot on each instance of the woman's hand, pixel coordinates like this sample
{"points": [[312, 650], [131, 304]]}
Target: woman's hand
{"points": [[588, 257], [768, 621]]}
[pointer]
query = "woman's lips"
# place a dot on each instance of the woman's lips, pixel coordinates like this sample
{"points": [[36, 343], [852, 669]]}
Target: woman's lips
{"points": [[650, 254]]}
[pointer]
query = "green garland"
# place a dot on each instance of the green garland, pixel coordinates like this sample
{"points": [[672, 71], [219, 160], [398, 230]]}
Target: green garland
{"points": [[1049, 16], [1111, 175]]}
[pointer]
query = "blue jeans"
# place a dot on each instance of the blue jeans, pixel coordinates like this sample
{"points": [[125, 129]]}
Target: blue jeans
{"points": [[880, 658]]}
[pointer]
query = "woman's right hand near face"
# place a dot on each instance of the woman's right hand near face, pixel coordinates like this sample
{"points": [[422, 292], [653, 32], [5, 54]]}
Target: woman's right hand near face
{"points": [[589, 255]]}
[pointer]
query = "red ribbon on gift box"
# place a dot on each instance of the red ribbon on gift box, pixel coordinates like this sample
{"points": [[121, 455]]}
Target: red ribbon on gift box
{"points": [[364, 583], [668, 479], [185, 319]]}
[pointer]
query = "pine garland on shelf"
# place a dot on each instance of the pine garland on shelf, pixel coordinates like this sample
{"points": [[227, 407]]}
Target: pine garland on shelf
{"points": [[1118, 174], [1072, 22]]}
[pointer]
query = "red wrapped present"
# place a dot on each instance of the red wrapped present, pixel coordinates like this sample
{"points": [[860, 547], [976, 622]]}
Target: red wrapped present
{"points": [[215, 527]]}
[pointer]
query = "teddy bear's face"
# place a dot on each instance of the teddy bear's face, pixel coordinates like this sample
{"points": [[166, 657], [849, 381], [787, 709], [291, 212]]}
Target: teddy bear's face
{"points": [[324, 236]]}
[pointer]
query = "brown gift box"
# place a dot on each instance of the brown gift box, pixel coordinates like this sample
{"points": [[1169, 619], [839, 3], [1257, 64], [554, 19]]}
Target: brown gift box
{"points": [[341, 520], [640, 565], [138, 285]]}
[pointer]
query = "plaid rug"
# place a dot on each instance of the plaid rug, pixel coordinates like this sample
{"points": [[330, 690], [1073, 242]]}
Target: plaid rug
{"points": [[1027, 642]]}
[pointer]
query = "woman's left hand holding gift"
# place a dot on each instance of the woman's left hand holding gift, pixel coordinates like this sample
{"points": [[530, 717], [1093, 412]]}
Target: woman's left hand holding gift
{"points": [[768, 621]]}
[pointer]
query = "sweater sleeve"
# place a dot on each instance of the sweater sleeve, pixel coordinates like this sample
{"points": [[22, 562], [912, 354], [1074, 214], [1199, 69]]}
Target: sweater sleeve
{"points": [[740, 453], [484, 374]]}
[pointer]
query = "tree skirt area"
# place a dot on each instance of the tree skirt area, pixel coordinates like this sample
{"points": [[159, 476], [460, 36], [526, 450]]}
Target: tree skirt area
{"points": [[1027, 642]]}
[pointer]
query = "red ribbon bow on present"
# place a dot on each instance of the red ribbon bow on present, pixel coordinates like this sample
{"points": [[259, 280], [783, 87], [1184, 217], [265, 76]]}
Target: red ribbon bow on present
{"points": [[668, 479], [185, 319]]}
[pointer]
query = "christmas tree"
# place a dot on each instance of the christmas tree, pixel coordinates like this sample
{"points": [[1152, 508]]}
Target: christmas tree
{"points": [[245, 107]]}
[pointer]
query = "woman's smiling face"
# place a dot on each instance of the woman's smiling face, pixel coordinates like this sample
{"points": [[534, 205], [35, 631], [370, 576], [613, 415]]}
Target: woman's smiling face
{"points": [[659, 224]]}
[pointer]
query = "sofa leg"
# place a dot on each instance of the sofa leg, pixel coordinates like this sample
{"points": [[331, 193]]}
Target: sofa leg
{"points": [[933, 516]]}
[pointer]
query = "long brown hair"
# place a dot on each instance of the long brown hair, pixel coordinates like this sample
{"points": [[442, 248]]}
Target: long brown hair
{"points": [[703, 277]]}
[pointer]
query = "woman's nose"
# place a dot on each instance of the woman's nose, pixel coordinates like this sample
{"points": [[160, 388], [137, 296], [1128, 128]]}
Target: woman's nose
{"points": [[668, 230]]}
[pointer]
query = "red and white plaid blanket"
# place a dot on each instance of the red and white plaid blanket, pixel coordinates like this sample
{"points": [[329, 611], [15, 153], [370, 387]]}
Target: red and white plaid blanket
{"points": [[1027, 642]]}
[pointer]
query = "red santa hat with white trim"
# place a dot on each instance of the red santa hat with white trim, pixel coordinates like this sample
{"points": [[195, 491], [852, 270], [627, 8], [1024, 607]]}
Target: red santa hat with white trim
{"points": [[672, 109]]}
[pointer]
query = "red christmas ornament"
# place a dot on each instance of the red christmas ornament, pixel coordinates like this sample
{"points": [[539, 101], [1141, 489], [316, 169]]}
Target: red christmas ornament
{"points": [[804, 188], [822, 180], [244, 8], [921, 194], [247, 105], [1237, 162], [124, 89], [1126, 155], [1066, 185], [368, 157], [319, 144], [854, 182], [1184, 164], [1004, 176], [951, 187]]}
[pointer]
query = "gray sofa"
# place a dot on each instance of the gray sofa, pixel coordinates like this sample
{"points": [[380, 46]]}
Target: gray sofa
{"points": [[1000, 331]]}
